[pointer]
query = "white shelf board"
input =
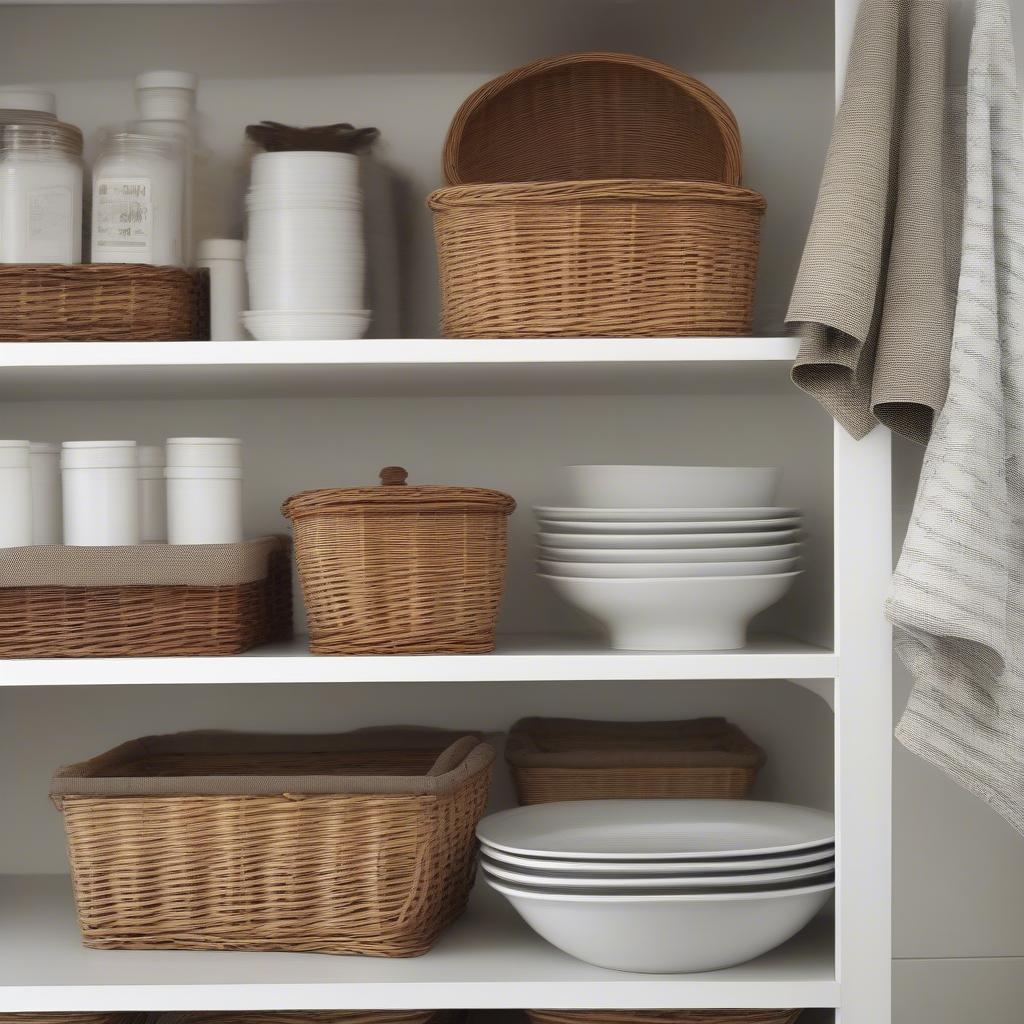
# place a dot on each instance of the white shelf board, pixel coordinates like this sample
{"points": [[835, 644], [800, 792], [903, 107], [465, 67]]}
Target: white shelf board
{"points": [[196, 369], [488, 959], [518, 658]]}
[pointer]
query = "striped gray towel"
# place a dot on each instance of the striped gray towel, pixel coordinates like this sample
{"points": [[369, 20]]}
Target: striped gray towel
{"points": [[957, 599]]}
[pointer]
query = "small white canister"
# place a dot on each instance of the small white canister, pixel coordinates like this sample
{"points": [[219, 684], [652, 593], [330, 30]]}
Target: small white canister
{"points": [[46, 504], [101, 492], [204, 504], [15, 494], [152, 495], [209, 452], [224, 258]]}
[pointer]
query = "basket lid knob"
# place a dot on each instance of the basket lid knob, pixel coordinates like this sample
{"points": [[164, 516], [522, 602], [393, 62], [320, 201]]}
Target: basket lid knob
{"points": [[393, 476]]}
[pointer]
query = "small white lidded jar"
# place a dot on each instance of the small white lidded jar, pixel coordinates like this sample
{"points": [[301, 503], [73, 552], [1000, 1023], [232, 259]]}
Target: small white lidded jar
{"points": [[224, 258], [101, 492], [204, 451], [44, 459], [152, 495], [15, 495], [204, 504]]}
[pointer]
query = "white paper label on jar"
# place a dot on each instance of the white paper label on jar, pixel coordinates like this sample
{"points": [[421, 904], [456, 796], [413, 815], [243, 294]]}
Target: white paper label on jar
{"points": [[123, 218], [49, 219]]}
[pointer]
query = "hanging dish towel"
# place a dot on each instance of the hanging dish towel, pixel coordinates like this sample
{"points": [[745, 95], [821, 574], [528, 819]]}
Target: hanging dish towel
{"points": [[957, 599], [873, 300]]}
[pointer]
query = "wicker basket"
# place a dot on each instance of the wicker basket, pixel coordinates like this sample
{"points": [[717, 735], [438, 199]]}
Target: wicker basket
{"points": [[663, 1016], [554, 759], [102, 302], [149, 600], [361, 843], [304, 1017], [73, 1018], [595, 195], [401, 570]]}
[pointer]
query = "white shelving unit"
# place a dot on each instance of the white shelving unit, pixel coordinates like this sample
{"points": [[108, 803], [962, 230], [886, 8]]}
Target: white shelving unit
{"points": [[491, 412]]}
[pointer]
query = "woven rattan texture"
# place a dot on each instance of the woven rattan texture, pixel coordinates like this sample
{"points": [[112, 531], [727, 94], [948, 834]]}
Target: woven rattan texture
{"points": [[592, 115], [547, 785], [663, 1016], [102, 302], [374, 875], [74, 1018], [110, 622], [303, 1017]]}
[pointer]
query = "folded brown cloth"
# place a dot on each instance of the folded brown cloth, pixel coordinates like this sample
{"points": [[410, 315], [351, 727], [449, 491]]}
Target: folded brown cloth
{"points": [[337, 138], [874, 298]]}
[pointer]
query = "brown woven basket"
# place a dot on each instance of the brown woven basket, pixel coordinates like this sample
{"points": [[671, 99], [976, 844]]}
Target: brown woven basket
{"points": [[554, 759], [102, 302], [144, 601], [401, 570], [72, 1018], [663, 1016], [595, 195], [303, 1017], [360, 843]]}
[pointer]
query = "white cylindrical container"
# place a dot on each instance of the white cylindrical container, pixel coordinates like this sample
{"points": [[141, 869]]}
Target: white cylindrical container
{"points": [[40, 193], [204, 452], [224, 258], [138, 199], [101, 492], [204, 505], [28, 98], [44, 459], [15, 494], [152, 495], [166, 95]]}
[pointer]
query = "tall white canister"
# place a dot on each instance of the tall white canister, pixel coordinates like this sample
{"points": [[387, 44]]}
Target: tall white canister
{"points": [[152, 495], [15, 494], [101, 492], [204, 490], [46, 501]]}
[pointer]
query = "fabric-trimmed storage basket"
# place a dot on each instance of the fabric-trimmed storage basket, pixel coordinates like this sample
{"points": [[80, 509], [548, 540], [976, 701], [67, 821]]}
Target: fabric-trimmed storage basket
{"points": [[146, 600], [663, 1016], [396, 569], [595, 194], [102, 302], [553, 759], [359, 843]]}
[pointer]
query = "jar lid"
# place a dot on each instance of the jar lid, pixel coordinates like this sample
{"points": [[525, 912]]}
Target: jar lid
{"points": [[220, 249], [394, 495], [25, 97], [167, 80], [41, 136]]}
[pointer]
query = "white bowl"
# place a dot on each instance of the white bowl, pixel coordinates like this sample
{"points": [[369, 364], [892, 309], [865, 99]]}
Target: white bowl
{"points": [[667, 934], [302, 167], [638, 541], [669, 486], [666, 555], [671, 570], [709, 613], [634, 515], [306, 326], [666, 526]]}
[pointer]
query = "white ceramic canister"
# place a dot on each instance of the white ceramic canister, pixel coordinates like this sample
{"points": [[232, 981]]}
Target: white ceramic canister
{"points": [[224, 258], [138, 200], [40, 102], [40, 193], [15, 494], [44, 459], [152, 495], [101, 492], [204, 504], [204, 452]]}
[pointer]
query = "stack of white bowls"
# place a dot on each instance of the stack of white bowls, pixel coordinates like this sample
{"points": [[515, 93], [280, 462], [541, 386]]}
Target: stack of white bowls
{"points": [[670, 557], [305, 257], [662, 886]]}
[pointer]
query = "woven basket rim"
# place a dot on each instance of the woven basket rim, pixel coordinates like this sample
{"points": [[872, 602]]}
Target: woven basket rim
{"points": [[435, 499]]}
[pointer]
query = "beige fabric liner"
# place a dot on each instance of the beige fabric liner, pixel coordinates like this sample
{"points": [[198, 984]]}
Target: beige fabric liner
{"points": [[874, 299], [141, 565], [579, 743], [458, 757]]}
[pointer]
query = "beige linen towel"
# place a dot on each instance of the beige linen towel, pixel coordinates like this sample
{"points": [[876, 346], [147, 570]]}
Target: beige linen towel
{"points": [[874, 296]]}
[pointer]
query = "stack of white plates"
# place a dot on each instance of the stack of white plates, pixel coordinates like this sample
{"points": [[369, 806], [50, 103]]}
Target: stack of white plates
{"points": [[670, 557], [305, 257], [662, 886]]}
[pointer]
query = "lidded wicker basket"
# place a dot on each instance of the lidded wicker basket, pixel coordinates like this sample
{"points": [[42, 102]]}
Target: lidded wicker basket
{"points": [[396, 569], [595, 194]]}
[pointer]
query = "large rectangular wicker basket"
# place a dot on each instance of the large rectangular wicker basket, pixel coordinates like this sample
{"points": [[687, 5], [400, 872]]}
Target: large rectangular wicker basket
{"points": [[554, 759], [145, 600], [362, 842]]}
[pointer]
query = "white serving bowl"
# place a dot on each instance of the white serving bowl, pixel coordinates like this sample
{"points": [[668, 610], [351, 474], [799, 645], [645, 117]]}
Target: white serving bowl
{"points": [[636, 541], [306, 325], [666, 526], [709, 613], [669, 486], [667, 934], [633, 515], [670, 570], [666, 555]]}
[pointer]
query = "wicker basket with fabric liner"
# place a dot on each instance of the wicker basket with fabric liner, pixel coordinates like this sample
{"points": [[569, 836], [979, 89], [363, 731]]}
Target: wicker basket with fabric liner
{"points": [[144, 600], [398, 569], [663, 1016], [553, 759], [102, 302], [356, 843], [595, 194]]}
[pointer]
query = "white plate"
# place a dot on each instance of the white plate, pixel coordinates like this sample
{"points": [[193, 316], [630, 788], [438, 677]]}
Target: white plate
{"points": [[666, 526], [632, 868], [643, 515], [624, 886], [670, 570], [624, 830], [665, 555], [665, 540]]}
